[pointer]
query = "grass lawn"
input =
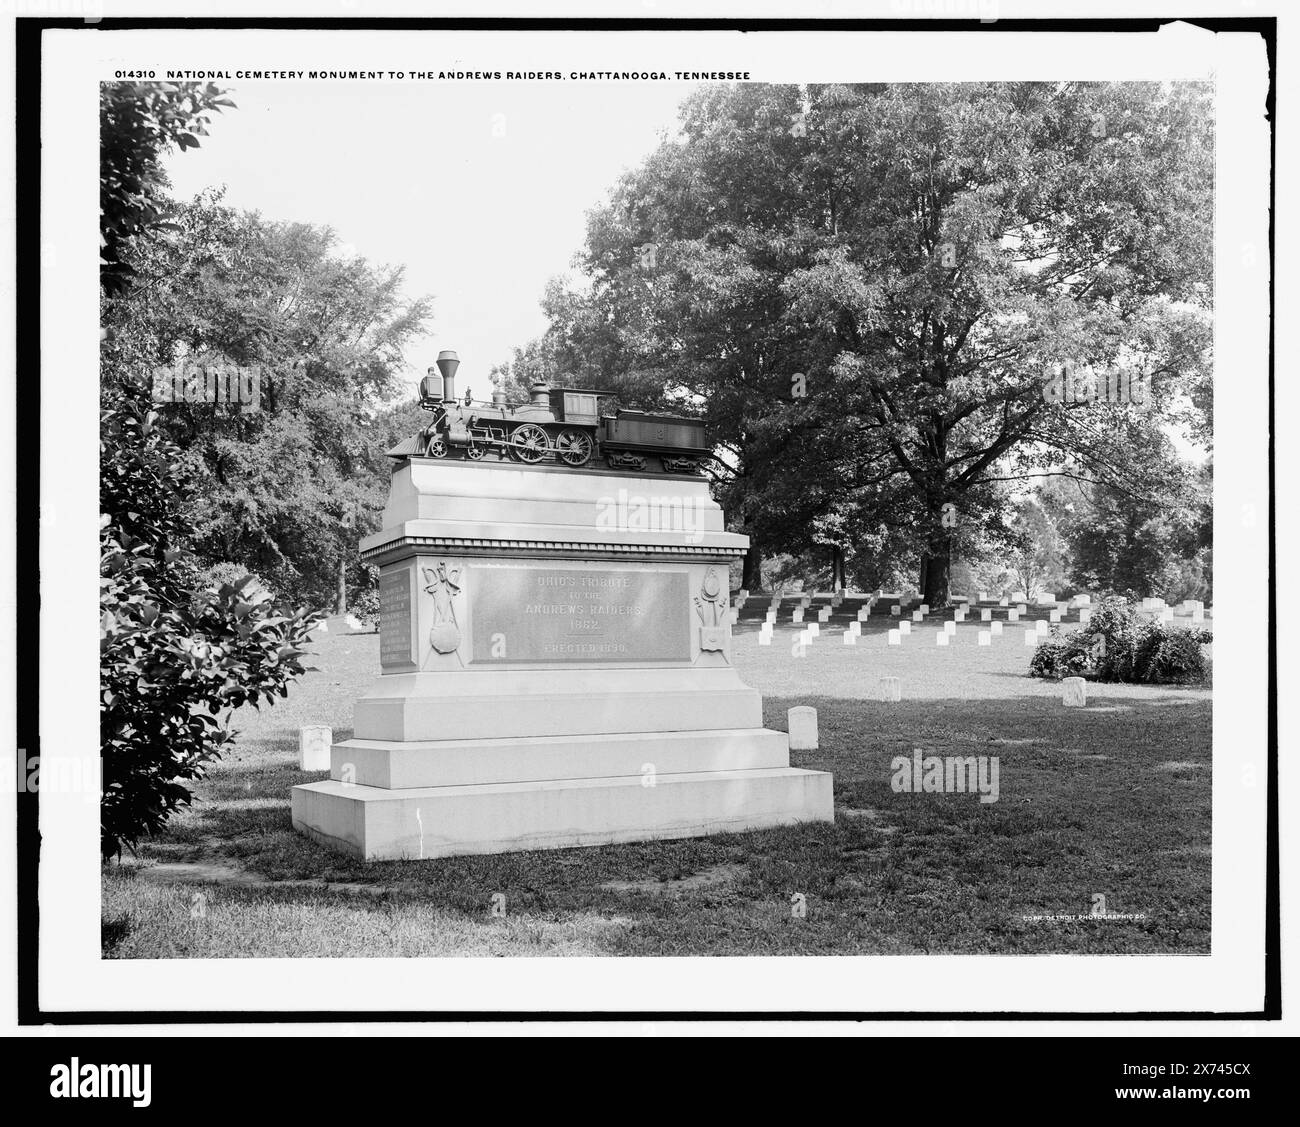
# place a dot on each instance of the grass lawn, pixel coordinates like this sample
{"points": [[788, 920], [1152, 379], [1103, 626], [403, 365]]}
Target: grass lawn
{"points": [[1112, 799]]}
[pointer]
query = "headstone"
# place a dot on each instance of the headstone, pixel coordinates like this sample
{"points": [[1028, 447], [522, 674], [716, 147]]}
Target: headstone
{"points": [[904, 627], [824, 615], [864, 613], [812, 629], [1018, 596], [802, 722], [985, 638], [917, 616], [959, 616], [1198, 614], [314, 743], [1031, 637], [1004, 602], [1013, 614], [895, 610], [1085, 613], [1082, 600], [1023, 608], [950, 628], [771, 616], [895, 638], [855, 628], [924, 609], [850, 638], [743, 595], [891, 689], [1041, 627], [995, 628], [1047, 599], [798, 615], [986, 615], [1054, 616], [982, 597], [1076, 692]]}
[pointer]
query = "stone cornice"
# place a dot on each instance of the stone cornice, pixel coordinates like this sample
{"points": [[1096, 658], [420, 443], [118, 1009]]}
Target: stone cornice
{"points": [[590, 549]]}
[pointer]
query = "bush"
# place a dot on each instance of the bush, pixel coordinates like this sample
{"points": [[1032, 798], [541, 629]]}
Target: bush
{"points": [[365, 604], [175, 658], [1060, 655], [1120, 645]]}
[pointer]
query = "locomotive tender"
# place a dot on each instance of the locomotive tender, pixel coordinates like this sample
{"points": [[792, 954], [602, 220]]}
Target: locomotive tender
{"points": [[563, 425]]}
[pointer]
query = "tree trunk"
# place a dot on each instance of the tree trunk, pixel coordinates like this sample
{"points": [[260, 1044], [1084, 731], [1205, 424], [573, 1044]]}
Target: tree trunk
{"points": [[751, 578], [341, 603], [837, 570], [935, 567]]}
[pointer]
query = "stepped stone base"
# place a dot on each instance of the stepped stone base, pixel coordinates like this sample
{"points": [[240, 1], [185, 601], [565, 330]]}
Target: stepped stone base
{"points": [[375, 824]]}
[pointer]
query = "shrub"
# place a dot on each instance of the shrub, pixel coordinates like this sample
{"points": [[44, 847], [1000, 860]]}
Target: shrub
{"points": [[1060, 655], [1120, 645], [175, 658], [365, 604]]}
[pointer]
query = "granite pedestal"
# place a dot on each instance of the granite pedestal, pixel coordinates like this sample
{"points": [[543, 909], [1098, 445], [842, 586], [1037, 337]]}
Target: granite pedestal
{"points": [[555, 653]]}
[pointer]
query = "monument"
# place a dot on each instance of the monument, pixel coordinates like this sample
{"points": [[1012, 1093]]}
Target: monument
{"points": [[555, 665]]}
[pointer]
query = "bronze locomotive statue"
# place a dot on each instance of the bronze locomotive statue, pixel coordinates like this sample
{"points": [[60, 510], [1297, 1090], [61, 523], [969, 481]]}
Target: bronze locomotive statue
{"points": [[563, 425]]}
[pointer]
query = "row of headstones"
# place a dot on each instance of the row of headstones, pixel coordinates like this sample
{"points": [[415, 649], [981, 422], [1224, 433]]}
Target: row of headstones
{"points": [[811, 630], [1165, 613], [801, 721]]}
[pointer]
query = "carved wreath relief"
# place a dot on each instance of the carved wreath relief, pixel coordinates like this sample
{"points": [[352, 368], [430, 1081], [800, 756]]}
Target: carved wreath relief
{"points": [[442, 583]]}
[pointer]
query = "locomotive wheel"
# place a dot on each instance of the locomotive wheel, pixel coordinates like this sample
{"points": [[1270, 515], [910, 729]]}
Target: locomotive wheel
{"points": [[529, 443], [474, 453], [437, 447], [574, 447]]}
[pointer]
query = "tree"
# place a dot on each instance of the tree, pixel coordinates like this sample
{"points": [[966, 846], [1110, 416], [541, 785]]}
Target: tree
{"points": [[175, 657], [1038, 559], [138, 123], [286, 484], [895, 277]]}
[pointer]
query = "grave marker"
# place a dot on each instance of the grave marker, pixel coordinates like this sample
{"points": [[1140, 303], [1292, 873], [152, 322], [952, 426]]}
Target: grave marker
{"points": [[314, 743], [802, 722]]}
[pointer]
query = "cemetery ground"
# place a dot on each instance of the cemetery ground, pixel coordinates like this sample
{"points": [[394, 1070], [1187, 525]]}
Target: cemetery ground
{"points": [[1110, 800]]}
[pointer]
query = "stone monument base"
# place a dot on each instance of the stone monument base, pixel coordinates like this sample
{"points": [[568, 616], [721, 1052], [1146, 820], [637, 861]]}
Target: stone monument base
{"points": [[374, 823], [556, 671]]}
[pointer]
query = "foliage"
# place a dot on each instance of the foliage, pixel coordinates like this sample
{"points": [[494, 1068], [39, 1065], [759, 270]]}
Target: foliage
{"points": [[174, 660], [288, 483], [1118, 644], [138, 123], [864, 290], [176, 655]]}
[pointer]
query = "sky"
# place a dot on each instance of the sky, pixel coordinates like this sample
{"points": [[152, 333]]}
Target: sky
{"points": [[479, 191]]}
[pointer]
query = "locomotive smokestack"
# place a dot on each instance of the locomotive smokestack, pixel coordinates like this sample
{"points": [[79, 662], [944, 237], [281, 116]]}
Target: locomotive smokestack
{"points": [[448, 362]]}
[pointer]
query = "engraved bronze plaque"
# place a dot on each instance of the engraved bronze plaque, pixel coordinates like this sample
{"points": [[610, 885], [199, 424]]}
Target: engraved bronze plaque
{"points": [[534, 614], [395, 617]]}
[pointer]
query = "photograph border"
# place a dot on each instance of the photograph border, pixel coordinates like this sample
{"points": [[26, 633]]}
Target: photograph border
{"points": [[27, 452]]}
